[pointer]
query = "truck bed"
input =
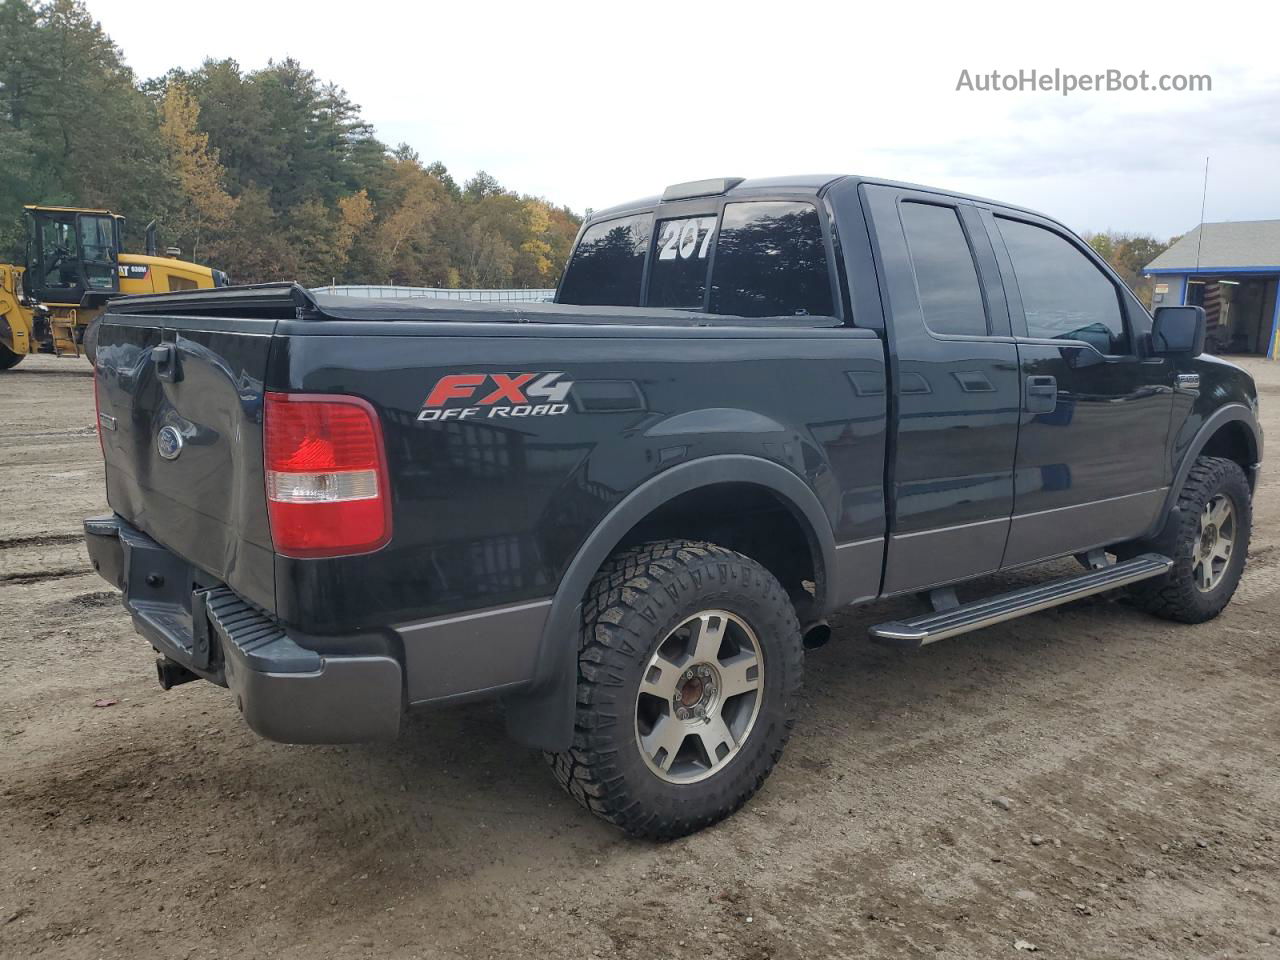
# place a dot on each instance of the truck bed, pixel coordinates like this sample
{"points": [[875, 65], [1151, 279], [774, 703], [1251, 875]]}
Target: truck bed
{"points": [[291, 301], [488, 510]]}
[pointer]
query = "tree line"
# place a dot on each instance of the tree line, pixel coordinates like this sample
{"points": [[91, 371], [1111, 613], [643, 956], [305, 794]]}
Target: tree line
{"points": [[271, 174], [267, 174]]}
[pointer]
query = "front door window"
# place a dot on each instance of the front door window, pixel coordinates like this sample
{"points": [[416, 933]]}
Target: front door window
{"points": [[1064, 294]]}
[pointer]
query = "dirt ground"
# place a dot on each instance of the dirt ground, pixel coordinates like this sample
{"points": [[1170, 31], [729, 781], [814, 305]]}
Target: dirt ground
{"points": [[1090, 781]]}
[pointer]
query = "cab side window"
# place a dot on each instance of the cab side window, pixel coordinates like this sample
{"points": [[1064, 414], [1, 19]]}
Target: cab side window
{"points": [[1064, 294], [945, 274]]}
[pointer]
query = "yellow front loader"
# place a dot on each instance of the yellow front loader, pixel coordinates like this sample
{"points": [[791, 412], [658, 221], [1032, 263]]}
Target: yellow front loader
{"points": [[74, 266]]}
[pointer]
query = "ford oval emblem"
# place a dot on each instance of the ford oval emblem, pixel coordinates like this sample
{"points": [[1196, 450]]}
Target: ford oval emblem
{"points": [[169, 443]]}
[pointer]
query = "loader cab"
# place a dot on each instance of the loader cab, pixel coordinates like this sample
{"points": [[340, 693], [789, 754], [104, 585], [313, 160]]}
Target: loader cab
{"points": [[72, 254]]}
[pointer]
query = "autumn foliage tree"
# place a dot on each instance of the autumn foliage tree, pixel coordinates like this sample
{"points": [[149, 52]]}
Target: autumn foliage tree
{"points": [[199, 201], [267, 174]]}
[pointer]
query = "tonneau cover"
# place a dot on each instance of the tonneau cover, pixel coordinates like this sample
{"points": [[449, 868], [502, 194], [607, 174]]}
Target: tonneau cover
{"points": [[288, 301]]}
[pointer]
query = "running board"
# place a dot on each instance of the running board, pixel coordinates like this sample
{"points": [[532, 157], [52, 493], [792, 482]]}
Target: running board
{"points": [[983, 613]]}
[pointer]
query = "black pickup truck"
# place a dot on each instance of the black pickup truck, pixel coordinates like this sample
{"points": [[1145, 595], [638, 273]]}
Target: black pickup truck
{"points": [[627, 513]]}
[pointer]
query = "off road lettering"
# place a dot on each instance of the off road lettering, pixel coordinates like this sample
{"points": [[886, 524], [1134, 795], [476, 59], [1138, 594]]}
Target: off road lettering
{"points": [[510, 395]]}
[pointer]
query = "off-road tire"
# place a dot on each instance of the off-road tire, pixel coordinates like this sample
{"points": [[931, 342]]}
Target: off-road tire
{"points": [[637, 599], [9, 359], [1175, 596]]}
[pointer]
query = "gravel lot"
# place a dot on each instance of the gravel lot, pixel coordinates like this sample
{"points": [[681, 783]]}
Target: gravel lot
{"points": [[1090, 781]]}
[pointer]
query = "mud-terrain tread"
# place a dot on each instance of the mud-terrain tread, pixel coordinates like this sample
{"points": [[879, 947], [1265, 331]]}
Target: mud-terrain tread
{"points": [[1174, 596], [587, 770]]}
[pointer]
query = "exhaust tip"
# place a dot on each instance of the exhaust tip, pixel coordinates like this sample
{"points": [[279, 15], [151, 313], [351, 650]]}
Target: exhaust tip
{"points": [[816, 634]]}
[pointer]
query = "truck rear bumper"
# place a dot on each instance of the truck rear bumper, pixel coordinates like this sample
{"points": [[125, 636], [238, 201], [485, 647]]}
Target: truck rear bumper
{"points": [[286, 691]]}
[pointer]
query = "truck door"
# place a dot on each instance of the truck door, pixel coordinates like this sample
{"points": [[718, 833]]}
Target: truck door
{"points": [[1092, 467], [954, 385]]}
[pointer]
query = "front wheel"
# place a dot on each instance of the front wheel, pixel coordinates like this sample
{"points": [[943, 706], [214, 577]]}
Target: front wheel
{"points": [[689, 663], [1209, 546]]}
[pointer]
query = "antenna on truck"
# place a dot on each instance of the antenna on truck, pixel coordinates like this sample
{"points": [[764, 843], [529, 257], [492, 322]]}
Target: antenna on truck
{"points": [[1200, 230]]}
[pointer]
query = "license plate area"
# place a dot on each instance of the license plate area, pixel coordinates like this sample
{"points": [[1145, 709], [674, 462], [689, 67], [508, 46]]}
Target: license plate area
{"points": [[166, 596]]}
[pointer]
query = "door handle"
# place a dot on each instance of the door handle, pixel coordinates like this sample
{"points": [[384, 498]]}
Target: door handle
{"points": [[1042, 394]]}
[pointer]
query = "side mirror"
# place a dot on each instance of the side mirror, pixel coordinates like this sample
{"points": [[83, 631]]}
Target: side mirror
{"points": [[1178, 332]]}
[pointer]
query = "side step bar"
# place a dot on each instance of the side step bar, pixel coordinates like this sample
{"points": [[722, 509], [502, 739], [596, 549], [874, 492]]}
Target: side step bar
{"points": [[983, 613]]}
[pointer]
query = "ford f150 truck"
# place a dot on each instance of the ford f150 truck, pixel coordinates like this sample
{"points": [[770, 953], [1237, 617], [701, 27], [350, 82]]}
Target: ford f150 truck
{"points": [[627, 513]]}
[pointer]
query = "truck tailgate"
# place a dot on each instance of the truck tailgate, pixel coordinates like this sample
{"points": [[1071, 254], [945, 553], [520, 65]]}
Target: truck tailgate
{"points": [[180, 415]]}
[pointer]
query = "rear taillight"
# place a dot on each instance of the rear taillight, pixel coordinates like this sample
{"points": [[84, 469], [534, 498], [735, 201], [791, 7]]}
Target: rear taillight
{"points": [[327, 489]]}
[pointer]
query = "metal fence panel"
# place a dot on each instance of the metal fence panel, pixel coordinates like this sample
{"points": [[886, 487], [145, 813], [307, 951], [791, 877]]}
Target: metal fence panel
{"points": [[391, 292]]}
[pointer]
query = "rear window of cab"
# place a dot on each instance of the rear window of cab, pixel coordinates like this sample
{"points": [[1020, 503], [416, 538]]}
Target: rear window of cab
{"points": [[757, 258]]}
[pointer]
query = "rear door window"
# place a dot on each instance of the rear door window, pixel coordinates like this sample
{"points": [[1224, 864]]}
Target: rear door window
{"points": [[946, 277], [771, 261], [607, 267]]}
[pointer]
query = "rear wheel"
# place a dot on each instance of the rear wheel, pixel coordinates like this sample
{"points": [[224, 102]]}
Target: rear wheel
{"points": [[9, 359], [690, 660], [1209, 546]]}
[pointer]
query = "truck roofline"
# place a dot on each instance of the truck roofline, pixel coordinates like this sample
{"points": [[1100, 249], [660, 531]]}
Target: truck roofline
{"points": [[817, 184]]}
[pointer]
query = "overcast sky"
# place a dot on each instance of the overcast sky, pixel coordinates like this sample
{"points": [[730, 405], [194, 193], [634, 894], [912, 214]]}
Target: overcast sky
{"points": [[590, 104]]}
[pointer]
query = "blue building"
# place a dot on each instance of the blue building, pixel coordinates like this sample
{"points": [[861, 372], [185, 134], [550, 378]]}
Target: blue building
{"points": [[1232, 270]]}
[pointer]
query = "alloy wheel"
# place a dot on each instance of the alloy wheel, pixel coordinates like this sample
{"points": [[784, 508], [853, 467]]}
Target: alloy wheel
{"points": [[699, 696], [1214, 543]]}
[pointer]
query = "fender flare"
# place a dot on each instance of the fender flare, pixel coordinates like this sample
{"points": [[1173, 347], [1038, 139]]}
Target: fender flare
{"points": [[543, 716], [1229, 413]]}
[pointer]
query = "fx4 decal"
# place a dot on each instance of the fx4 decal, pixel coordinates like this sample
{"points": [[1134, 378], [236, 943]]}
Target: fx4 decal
{"points": [[496, 396]]}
